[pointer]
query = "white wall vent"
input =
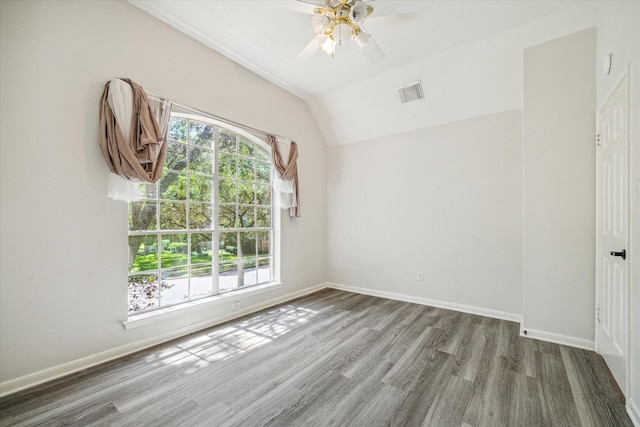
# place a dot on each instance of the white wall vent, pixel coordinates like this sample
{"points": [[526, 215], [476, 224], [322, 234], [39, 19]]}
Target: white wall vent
{"points": [[411, 92]]}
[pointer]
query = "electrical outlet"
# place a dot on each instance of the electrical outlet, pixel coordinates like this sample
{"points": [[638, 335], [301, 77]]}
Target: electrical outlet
{"points": [[235, 304], [420, 276]]}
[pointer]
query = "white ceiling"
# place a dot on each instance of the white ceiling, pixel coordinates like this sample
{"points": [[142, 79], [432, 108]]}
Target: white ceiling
{"points": [[266, 35], [468, 55]]}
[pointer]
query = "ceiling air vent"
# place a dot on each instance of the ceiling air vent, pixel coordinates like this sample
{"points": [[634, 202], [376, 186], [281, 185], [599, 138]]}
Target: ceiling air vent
{"points": [[411, 92]]}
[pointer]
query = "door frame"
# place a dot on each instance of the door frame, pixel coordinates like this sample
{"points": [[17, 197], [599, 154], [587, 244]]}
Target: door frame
{"points": [[598, 270]]}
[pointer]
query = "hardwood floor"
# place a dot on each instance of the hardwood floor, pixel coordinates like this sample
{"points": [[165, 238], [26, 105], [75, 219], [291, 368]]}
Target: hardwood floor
{"points": [[337, 358]]}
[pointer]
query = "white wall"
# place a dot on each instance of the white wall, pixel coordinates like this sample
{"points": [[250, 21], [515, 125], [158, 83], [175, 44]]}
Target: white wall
{"points": [[445, 201], [64, 244], [476, 79], [619, 32], [559, 189]]}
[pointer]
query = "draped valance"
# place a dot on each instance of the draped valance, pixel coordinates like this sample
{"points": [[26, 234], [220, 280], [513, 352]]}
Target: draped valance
{"points": [[133, 136]]}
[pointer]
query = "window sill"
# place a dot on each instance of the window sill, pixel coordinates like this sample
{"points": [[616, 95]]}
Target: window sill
{"points": [[156, 316]]}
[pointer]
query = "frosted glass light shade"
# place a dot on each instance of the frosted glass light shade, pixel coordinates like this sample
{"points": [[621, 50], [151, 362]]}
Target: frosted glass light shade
{"points": [[328, 46], [361, 39], [319, 23], [342, 33]]}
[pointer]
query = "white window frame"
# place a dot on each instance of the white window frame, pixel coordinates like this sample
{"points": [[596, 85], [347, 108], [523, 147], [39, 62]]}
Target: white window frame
{"points": [[139, 318]]}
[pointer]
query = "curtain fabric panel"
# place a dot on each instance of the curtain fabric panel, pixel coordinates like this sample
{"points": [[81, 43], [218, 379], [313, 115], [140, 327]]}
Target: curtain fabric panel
{"points": [[287, 180]]}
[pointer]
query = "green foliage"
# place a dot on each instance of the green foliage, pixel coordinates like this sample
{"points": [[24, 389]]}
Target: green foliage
{"points": [[201, 134], [178, 247], [178, 129], [227, 142], [144, 290], [168, 260]]}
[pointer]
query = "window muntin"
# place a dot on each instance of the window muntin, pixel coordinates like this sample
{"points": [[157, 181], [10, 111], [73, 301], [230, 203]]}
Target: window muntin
{"points": [[206, 227]]}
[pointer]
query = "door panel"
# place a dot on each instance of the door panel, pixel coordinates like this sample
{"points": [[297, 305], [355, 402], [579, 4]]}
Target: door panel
{"points": [[613, 226]]}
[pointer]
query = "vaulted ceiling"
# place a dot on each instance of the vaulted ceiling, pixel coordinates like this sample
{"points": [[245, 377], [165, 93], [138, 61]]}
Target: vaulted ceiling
{"points": [[265, 36]]}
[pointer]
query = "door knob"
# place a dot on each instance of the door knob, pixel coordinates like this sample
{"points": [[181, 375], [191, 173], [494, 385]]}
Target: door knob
{"points": [[622, 254]]}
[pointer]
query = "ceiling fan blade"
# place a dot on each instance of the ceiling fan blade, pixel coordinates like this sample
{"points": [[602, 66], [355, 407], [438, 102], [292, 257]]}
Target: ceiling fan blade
{"points": [[373, 52], [311, 48]]}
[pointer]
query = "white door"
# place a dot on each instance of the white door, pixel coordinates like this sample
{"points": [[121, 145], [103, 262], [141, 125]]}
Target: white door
{"points": [[613, 224]]}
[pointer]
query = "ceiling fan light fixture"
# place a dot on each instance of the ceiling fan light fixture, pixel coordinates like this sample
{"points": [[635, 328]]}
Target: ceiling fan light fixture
{"points": [[361, 39], [358, 13], [342, 32], [329, 46], [336, 23], [319, 23]]}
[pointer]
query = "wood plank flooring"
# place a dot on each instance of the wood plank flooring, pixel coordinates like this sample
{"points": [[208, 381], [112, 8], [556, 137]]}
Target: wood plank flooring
{"points": [[336, 358]]}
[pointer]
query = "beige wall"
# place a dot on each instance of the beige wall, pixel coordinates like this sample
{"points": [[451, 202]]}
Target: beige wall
{"points": [[64, 244], [445, 201], [559, 189]]}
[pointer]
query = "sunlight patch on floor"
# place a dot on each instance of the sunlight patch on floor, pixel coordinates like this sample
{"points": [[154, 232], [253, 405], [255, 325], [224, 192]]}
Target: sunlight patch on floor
{"points": [[233, 339]]}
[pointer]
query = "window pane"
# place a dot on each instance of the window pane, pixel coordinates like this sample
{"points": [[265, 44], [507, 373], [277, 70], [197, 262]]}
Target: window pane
{"points": [[175, 250], [176, 157], [173, 186], [264, 242], [262, 154], [264, 271], [245, 170], [175, 287], [200, 188], [143, 253], [178, 130], [263, 172], [228, 277], [201, 248], [263, 217], [248, 244], [227, 141], [201, 281], [250, 273], [201, 134], [143, 292], [227, 166], [200, 161], [227, 216], [227, 191], [246, 192], [246, 216], [173, 216], [246, 148], [200, 215], [167, 269], [263, 194], [143, 216], [228, 246]]}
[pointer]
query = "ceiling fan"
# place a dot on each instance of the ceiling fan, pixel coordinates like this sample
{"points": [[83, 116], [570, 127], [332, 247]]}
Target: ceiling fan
{"points": [[338, 21]]}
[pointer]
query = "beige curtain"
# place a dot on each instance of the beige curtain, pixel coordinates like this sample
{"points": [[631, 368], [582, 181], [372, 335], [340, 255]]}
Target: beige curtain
{"points": [[161, 109], [287, 171], [139, 156]]}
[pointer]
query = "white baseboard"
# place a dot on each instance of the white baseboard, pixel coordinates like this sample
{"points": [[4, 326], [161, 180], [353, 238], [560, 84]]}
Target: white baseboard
{"points": [[557, 338], [31, 380], [634, 412], [426, 301]]}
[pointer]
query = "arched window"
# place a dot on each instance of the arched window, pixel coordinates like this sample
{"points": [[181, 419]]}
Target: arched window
{"points": [[206, 227]]}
